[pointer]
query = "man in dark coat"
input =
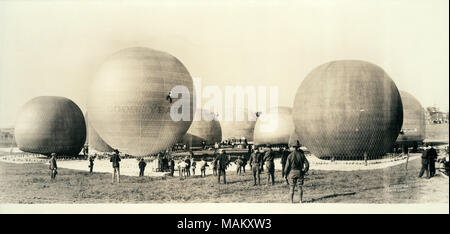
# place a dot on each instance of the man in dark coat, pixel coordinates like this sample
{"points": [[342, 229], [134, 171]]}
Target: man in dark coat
{"points": [[244, 162], [91, 159], [171, 166], [222, 163], [284, 155], [53, 167], [432, 156], [203, 144], [255, 163], [296, 167], [188, 162], [203, 165], [214, 162], [239, 163], [160, 162], [115, 160], [85, 150], [425, 164], [270, 165], [405, 149], [142, 165]]}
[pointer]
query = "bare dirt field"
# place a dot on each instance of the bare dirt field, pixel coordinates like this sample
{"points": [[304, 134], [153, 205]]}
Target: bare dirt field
{"points": [[30, 183]]}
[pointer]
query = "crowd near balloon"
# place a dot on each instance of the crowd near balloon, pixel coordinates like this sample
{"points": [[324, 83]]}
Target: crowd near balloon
{"points": [[343, 110]]}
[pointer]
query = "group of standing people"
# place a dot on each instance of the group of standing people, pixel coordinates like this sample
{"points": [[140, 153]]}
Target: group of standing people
{"points": [[429, 156], [185, 165], [294, 166], [260, 158], [163, 160]]}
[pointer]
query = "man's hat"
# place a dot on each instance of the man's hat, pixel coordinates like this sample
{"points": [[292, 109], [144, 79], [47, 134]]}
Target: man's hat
{"points": [[116, 151]]}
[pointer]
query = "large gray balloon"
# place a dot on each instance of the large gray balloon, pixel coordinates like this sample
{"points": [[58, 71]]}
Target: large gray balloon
{"points": [[48, 125], [238, 128], [127, 103], [413, 129], [274, 127], [345, 108], [94, 141], [207, 130]]}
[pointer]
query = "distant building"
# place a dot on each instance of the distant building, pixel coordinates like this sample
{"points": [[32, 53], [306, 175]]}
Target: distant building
{"points": [[434, 116], [7, 137]]}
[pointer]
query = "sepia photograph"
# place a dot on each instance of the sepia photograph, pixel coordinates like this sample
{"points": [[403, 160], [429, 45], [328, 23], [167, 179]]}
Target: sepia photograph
{"points": [[222, 107]]}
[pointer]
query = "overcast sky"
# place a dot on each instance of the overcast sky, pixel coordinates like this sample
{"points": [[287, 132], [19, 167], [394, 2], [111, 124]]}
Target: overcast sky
{"points": [[54, 48]]}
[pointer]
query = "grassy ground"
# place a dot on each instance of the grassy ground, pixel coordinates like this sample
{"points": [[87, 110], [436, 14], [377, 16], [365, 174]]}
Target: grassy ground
{"points": [[30, 183]]}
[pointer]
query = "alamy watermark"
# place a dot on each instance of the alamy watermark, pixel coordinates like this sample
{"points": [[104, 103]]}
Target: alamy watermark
{"points": [[231, 103], [228, 103]]}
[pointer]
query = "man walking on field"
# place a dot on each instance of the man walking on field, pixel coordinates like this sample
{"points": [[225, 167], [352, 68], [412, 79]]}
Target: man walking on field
{"points": [[296, 167], [270, 165], [115, 159], [222, 164], [53, 167], [425, 163], [432, 156], [142, 164], [239, 162], [255, 162]]}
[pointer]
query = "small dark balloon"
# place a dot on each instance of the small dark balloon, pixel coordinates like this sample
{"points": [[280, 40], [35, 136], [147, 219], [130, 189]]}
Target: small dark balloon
{"points": [[50, 124]]}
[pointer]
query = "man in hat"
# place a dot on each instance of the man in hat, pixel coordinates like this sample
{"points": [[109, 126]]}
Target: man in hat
{"points": [[214, 162], [255, 162], [238, 163], [222, 163], [53, 167], [270, 165], [91, 159], [182, 169], [284, 155], [296, 167], [425, 163], [171, 166], [160, 162], [432, 156], [142, 165], [169, 96], [261, 165], [193, 166], [188, 165], [203, 164], [85, 150], [244, 162], [115, 160]]}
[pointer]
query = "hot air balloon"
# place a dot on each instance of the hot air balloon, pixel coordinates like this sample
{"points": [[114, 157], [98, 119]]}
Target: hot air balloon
{"points": [[207, 130], [274, 127], [141, 101], [236, 128], [50, 124], [344, 109], [413, 129], [94, 141]]}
